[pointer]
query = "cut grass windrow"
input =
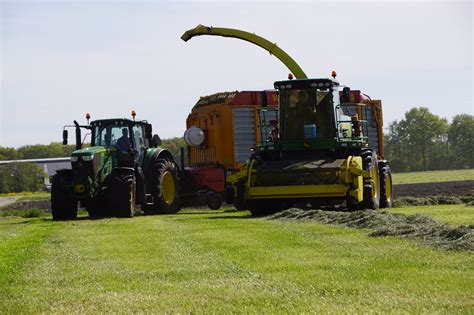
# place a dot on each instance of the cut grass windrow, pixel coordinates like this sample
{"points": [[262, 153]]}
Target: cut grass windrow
{"points": [[383, 223]]}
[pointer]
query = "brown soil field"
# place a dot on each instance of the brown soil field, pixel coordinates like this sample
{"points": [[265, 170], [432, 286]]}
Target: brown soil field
{"points": [[459, 188]]}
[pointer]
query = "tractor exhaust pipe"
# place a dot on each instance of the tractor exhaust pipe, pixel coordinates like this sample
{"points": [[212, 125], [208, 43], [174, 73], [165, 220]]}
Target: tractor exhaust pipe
{"points": [[78, 136]]}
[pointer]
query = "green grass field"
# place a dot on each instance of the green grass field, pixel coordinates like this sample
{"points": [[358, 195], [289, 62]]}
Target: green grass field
{"points": [[432, 176], [216, 262]]}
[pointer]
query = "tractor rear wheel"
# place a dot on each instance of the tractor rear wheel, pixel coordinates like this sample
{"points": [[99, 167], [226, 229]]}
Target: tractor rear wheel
{"points": [[122, 193], [63, 207], [371, 185], [164, 188], [386, 192]]}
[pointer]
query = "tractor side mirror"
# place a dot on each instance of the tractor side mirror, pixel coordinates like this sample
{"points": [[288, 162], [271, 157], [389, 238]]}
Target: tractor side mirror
{"points": [[156, 141], [65, 137]]}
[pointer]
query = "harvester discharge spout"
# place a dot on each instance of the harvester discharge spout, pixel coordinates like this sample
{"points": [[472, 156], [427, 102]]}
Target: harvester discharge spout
{"points": [[272, 48]]}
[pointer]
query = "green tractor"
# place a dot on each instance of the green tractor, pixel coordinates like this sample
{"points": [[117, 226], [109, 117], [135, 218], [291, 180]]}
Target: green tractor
{"points": [[123, 167]]}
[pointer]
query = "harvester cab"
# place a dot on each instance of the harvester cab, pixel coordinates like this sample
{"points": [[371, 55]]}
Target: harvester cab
{"points": [[123, 167]]}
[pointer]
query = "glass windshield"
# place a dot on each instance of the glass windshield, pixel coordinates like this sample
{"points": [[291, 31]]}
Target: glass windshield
{"points": [[112, 135], [306, 114]]}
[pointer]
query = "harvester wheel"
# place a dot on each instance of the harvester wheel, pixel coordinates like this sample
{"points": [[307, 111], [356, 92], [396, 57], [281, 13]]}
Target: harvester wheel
{"points": [[239, 200], [63, 207], [164, 188], [122, 193], [386, 192], [371, 185]]}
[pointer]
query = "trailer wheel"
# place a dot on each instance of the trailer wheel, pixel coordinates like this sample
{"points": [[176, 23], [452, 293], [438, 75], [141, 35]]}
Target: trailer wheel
{"points": [[386, 192], [122, 193], [164, 188], [371, 185], [63, 207], [213, 200]]}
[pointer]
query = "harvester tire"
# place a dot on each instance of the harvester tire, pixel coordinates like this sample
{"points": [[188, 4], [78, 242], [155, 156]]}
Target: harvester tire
{"points": [[122, 193], [164, 188], [239, 200], [371, 185], [63, 207], [386, 191], [263, 207]]}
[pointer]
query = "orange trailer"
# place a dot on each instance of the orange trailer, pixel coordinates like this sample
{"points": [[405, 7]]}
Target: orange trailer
{"points": [[221, 130]]}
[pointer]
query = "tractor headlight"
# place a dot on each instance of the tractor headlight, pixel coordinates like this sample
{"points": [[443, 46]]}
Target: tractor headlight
{"points": [[87, 158], [74, 158]]}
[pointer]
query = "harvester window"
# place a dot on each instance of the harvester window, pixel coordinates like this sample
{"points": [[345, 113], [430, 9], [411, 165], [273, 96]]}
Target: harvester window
{"points": [[307, 107]]}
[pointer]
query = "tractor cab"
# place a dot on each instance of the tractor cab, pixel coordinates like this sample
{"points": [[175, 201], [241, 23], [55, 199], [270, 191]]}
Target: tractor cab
{"points": [[129, 138]]}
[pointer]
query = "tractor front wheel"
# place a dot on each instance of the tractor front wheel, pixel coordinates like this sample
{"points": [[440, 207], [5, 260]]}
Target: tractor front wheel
{"points": [[63, 207], [122, 193]]}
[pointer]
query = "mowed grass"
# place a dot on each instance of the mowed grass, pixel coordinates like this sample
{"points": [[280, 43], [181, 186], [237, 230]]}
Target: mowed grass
{"points": [[451, 214], [222, 262], [432, 176]]}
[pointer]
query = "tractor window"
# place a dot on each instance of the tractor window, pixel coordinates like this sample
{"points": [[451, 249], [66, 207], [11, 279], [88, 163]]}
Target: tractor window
{"points": [[138, 138], [112, 135], [307, 108]]}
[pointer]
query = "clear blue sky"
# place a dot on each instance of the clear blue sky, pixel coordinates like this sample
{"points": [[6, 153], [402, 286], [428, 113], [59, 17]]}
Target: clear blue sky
{"points": [[61, 59]]}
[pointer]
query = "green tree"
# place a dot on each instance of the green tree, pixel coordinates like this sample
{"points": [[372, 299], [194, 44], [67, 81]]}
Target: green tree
{"points": [[8, 154], [174, 145], [18, 177], [422, 132], [38, 151], [460, 137]]}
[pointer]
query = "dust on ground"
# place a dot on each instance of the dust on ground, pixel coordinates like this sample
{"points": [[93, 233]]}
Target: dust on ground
{"points": [[382, 223]]}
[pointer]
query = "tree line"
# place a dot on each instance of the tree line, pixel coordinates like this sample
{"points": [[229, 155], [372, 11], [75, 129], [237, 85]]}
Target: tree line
{"points": [[420, 141]]}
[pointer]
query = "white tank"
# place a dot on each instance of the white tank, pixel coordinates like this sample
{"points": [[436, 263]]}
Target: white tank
{"points": [[194, 136]]}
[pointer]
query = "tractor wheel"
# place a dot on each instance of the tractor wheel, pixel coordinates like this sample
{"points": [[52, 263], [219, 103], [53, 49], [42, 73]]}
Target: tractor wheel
{"points": [[239, 200], [386, 192], [63, 207], [164, 188], [122, 193], [371, 186]]}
